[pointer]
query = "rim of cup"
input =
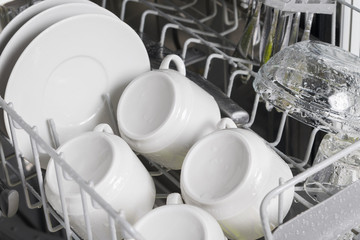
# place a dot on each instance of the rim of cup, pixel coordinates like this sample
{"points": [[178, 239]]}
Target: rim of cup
{"points": [[71, 148], [167, 213], [189, 172], [159, 125]]}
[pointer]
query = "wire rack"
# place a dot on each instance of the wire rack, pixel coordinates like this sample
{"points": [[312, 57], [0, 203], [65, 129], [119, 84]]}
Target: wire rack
{"points": [[205, 45]]}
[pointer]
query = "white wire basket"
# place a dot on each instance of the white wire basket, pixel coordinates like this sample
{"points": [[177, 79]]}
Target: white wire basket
{"points": [[199, 31]]}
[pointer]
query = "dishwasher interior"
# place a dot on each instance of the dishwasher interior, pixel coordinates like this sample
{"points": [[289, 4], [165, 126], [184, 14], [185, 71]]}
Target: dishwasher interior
{"points": [[205, 33]]}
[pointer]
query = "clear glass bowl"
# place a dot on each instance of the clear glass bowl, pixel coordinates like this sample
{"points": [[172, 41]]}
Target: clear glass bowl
{"points": [[317, 83]]}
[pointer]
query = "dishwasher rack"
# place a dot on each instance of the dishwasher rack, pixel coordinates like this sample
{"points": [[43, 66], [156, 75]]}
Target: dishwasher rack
{"points": [[204, 48]]}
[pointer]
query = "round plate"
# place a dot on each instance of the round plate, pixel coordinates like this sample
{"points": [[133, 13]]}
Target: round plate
{"points": [[65, 71], [28, 13], [32, 28]]}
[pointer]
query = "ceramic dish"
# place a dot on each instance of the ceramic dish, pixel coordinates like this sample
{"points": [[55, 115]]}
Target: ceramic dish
{"points": [[117, 174], [65, 71], [33, 27], [27, 14]]}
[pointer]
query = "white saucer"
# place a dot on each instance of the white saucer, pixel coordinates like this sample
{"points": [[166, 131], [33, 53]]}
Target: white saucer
{"points": [[28, 13], [66, 69], [34, 27]]}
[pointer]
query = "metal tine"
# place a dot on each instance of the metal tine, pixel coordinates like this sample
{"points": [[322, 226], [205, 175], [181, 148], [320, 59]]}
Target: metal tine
{"points": [[41, 186], [20, 165]]}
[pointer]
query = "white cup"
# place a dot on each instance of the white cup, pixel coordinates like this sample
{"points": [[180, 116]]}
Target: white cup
{"points": [[161, 114], [228, 173], [117, 175], [178, 221]]}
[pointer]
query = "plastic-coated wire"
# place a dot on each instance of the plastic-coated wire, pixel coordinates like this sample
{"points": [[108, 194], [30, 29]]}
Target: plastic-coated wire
{"points": [[41, 187], [281, 129], [85, 205], [297, 179], [281, 204], [53, 154], [20, 166], [349, 5]]}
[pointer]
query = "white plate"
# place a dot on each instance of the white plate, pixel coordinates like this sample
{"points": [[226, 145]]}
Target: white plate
{"points": [[66, 69], [28, 13], [32, 28]]}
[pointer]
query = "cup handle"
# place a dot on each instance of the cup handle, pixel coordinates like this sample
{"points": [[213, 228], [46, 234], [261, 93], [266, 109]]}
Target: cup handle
{"points": [[178, 62], [226, 123], [174, 199], [103, 127]]}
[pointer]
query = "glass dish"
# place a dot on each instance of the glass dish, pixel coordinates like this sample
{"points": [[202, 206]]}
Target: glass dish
{"points": [[317, 83]]}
